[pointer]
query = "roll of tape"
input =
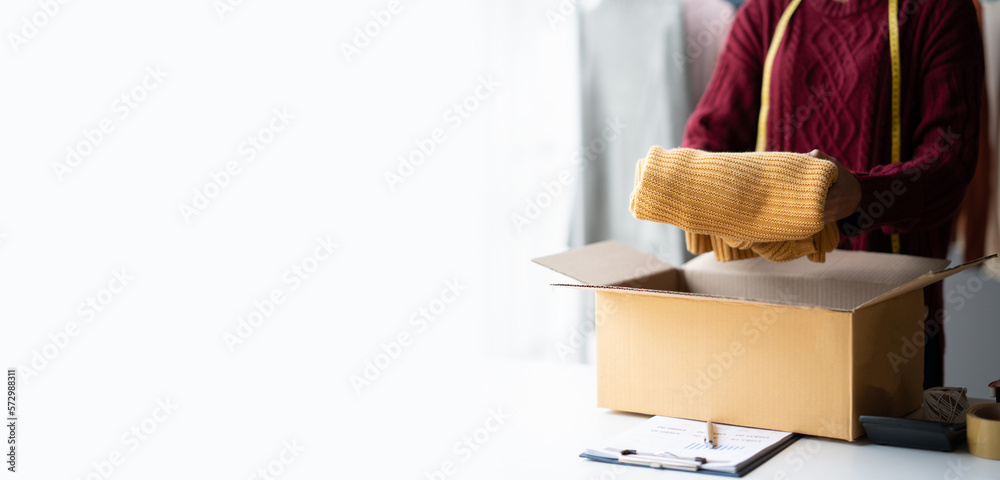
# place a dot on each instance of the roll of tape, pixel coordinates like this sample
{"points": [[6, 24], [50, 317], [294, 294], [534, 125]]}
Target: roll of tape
{"points": [[983, 430]]}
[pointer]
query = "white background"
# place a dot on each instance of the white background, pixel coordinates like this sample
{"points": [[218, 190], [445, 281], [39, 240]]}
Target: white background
{"points": [[162, 336]]}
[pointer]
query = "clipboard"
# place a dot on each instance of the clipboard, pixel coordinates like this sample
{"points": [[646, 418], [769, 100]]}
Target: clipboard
{"points": [[680, 444], [742, 471]]}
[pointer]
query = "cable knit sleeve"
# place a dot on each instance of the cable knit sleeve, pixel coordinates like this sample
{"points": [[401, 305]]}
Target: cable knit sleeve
{"points": [[926, 190], [725, 119]]}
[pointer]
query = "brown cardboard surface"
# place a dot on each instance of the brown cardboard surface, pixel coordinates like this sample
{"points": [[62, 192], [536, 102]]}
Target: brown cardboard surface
{"points": [[612, 263], [778, 367], [888, 358], [846, 280], [796, 346], [927, 279], [657, 293]]}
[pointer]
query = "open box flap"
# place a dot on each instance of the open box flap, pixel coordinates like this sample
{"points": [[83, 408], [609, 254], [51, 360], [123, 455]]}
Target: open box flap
{"points": [[925, 280], [846, 280], [612, 263], [671, 294]]}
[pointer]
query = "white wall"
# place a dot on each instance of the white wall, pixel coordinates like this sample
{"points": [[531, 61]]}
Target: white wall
{"points": [[441, 241]]}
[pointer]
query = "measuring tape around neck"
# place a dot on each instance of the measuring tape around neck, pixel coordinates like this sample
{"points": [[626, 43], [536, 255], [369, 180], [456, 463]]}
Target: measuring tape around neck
{"points": [[772, 51]]}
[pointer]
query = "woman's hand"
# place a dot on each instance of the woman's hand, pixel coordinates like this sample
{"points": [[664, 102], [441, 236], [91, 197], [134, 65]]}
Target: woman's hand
{"points": [[844, 196]]}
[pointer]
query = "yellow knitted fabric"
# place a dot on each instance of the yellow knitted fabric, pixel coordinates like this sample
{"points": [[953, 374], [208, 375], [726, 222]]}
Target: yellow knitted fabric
{"points": [[739, 205]]}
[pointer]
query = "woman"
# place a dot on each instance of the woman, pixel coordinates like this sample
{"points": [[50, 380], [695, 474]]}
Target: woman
{"points": [[832, 88]]}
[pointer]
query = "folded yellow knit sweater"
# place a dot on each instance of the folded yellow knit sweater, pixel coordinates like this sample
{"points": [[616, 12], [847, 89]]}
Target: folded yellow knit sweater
{"points": [[739, 205]]}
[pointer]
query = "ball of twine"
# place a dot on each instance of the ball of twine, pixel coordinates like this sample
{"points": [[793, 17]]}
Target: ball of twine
{"points": [[945, 404]]}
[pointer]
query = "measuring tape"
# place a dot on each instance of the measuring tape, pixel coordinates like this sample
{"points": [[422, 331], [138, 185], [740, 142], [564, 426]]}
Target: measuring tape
{"points": [[772, 51]]}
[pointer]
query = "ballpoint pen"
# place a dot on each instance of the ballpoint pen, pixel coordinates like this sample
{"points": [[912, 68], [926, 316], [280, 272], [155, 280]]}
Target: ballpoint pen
{"points": [[709, 434]]}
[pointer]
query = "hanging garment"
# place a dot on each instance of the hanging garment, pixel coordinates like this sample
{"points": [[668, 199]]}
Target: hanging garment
{"points": [[973, 218], [991, 42], [633, 75], [706, 25]]}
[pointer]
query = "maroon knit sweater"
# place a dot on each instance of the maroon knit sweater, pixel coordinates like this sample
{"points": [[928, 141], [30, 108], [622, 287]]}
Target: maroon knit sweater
{"points": [[831, 90]]}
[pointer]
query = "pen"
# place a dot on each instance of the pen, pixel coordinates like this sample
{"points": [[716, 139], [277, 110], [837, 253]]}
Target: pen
{"points": [[709, 434]]}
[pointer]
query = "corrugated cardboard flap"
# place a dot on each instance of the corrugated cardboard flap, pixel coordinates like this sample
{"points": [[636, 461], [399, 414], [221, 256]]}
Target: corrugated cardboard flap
{"points": [[925, 280], [846, 280], [612, 263], [675, 294]]}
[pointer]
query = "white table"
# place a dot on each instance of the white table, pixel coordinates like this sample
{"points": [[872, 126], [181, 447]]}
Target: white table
{"points": [[553, 417]]}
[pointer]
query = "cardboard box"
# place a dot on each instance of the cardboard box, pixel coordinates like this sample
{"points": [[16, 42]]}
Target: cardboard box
{"points": [[796, 346]]}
